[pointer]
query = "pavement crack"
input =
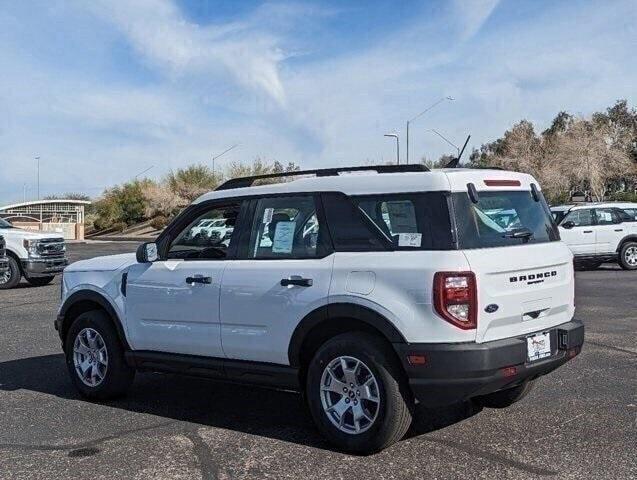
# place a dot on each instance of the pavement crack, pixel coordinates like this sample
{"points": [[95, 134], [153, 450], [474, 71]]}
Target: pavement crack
{"points": [[610, 347], [76, 446], [495, 457], [208, 468]]}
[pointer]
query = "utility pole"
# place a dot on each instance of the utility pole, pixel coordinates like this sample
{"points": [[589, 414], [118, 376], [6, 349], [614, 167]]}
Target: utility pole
{"points": [[421, 114]]}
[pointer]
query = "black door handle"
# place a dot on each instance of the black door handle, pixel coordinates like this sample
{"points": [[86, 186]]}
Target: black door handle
{"points": [[619, 229], [298, 281], [588, 231], [204, 280]]}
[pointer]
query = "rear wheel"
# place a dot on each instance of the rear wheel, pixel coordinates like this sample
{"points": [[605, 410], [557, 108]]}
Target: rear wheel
{"points": [[628, 256], [505, 398], [11, 277], [95, 357], [40, 281], [357, 393]]}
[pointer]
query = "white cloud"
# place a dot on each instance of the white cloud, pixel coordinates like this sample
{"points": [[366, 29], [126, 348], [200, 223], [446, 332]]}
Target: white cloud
{"points": [[160, 33]]}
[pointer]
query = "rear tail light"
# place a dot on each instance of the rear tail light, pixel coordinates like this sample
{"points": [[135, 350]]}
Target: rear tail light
{"points": [[455, 298]]}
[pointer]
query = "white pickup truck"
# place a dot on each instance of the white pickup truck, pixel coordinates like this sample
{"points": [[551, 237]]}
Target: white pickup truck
{"points": [[36, 256]]}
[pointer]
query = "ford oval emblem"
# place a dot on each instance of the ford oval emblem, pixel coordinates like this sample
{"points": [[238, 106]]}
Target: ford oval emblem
{"points": [[491, 308]]}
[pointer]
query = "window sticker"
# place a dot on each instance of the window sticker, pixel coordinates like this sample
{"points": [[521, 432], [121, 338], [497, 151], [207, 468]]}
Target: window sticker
{"points": [[267, 215], [402, 217], [283, 237], [410, 239]]}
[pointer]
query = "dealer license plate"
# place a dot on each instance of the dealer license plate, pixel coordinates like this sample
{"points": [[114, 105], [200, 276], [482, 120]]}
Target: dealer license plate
{"points": [[538, 346]]}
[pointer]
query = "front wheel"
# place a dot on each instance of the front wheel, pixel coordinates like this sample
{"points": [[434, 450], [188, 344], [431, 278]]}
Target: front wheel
{"points": [[357, 393], [95, 357], [40, 281], [628, 256], [11, 277]]}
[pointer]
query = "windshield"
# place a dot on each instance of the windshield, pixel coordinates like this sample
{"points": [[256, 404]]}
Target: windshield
{"points": [[502, 219], [5, 224]]}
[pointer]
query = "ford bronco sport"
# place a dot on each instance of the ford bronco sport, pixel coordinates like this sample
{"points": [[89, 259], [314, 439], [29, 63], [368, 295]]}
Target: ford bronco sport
{"points": [[367, 291]]}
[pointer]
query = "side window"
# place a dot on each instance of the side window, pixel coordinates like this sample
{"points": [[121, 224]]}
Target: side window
{"points": [[285, 228], [631, 214], [605, 216], [348, 227], [208, 236], [409, 221], [581, 218]]}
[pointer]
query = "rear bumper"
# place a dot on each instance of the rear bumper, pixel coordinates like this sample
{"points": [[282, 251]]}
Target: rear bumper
{"points": [[457, 372], [44, 267]]}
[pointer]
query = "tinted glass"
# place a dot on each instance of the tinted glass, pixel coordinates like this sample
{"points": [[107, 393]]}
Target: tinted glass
{"points": [[631, 214], [558, 215], [349, 230], [208, 236], [414, 221], [286, 227], [605, 216], [502, 219], [580, 218]]}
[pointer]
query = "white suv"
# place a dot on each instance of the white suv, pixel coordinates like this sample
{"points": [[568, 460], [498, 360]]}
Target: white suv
{"points": [[368, 292], [599, 232]]}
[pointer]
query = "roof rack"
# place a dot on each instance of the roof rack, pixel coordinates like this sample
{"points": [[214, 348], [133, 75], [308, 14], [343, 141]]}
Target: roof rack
{"points": [[322, 172]]}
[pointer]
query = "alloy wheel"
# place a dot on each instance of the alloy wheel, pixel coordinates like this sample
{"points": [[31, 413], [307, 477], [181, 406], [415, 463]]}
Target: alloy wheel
{"points": [[350, 395], [630, 255], [90, 357], [5, 277]]}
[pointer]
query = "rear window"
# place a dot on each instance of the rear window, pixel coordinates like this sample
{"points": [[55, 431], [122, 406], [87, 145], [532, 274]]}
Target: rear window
{"points": [[501, 219], [415, 221]]}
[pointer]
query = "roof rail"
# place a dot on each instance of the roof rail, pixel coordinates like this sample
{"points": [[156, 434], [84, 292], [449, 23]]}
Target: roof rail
{"points": [[322, 172]]}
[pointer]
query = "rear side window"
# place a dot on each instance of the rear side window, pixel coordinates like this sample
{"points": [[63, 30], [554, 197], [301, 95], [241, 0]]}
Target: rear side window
{"points": [[631, 214], [286, 227], [502, 218], [414, 221]]}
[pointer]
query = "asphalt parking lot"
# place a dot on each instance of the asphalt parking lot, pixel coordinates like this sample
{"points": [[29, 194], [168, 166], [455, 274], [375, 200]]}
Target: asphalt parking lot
{"points": [[580, 421]]}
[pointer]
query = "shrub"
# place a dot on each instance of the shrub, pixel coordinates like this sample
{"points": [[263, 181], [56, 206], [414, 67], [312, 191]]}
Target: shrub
{"points": [[160, 222]]}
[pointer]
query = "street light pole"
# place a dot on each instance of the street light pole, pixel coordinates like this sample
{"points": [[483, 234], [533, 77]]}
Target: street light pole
{"points": [[143, 171], [38, 159], [421, 114], [217, 156], [395, 135], [446, 140]]}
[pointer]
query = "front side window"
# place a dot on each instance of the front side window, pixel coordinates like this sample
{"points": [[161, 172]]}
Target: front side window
{"points": [[208, 236], [580, 218], [502, 219], [285, 228]]}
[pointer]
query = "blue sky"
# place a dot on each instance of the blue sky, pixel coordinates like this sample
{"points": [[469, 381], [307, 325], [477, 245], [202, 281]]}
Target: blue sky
{"points": [[102, 90]]}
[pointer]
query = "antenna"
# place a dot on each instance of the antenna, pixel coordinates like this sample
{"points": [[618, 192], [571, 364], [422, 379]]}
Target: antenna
{"points": [[453, 163]]}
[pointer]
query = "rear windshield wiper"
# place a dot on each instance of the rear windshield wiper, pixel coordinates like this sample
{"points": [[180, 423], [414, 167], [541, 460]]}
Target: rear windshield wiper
{"points": [[519, 233]]}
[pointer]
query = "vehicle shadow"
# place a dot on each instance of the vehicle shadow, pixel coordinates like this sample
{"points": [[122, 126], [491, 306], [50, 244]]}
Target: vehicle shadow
{"points": [[268, 413]]}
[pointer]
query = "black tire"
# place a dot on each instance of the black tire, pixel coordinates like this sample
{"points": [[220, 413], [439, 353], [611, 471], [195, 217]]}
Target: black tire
{"points": [[627, 248], [118, 375], [394, 412], [14, 274], [40, 281], [505, 398]]}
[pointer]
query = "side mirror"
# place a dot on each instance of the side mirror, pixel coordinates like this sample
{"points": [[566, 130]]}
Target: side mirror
{"points": [[568, 225], [147, 252]]}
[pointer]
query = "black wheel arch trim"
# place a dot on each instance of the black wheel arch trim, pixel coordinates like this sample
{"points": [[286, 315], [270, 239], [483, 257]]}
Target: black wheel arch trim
{"points": [[94, 297], [331, 311], [627, 238]]}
